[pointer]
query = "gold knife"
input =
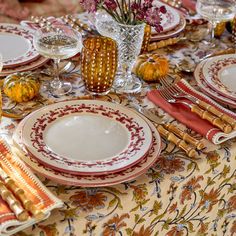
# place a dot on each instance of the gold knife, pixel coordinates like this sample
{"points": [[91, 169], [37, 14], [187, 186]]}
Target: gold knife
{"points": [[20, 213], [168, 126]]}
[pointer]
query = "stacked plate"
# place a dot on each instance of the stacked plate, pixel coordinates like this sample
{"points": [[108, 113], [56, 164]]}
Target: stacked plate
{"points": [[215, 76], [88, 143], [172, 22], [18, 52]]}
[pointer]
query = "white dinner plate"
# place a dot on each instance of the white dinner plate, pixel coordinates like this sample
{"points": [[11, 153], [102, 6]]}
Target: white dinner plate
{"points": [[169, 20], [198, 74], [171, 33], [86, 136], [16, 45], [219, 73], [89, 180]]}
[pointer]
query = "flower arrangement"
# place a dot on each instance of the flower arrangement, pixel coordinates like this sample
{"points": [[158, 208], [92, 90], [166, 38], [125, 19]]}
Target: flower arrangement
{"points": [[129, 12]]}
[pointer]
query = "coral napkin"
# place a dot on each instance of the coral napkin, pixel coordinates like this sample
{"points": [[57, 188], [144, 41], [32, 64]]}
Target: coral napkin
{"points": [[34, 190], [183, 114]]}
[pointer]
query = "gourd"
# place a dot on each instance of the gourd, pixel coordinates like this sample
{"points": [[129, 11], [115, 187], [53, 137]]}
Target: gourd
{"points": [[21, 87], [150, 67]]}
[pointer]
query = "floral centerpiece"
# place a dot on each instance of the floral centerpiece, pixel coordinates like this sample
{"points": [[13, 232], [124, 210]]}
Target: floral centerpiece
{"points": [[125, 21], [129, 12]]}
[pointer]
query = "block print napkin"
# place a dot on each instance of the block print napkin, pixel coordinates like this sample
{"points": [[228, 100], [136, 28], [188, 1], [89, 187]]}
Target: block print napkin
{"points": [[34, 190], [183, 114]]}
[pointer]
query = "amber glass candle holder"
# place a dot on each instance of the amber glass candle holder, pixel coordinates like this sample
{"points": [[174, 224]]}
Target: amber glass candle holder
{"points": [[99, 64]]}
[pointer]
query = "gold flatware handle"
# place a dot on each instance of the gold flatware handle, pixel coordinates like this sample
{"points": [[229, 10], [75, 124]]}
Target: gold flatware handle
{"points": [[216, 112], [20, 213], [163, 43], [178, 142], [186, 137], [28, 204], [216, 121]]}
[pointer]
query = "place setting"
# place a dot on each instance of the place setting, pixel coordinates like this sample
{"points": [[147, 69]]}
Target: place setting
{"points": [[23, 56], [112, 139], [101, 129], [173, 23], [215, 77]]}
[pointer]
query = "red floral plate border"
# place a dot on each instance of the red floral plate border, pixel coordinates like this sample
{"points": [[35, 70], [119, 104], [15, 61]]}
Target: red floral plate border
{"points": [[211, 72], [198, 74], [171, 33], [90, 180], [37, 123], [28, 56], [40, 61], [172, 17]]}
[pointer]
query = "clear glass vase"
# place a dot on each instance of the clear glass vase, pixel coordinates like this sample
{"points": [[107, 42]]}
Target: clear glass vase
{"points": [[129, 39]]}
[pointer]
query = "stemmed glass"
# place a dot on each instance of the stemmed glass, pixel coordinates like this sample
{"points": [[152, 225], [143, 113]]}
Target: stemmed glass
{"points": [[216, 11], [58, 42]]}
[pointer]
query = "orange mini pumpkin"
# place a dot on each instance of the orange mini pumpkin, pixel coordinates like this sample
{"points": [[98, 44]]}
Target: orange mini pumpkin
{"points": [[150, 67], [21, 87]]}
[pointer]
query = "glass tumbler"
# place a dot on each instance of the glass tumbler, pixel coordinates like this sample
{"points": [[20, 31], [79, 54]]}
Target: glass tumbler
{"points": [[99, 64]]}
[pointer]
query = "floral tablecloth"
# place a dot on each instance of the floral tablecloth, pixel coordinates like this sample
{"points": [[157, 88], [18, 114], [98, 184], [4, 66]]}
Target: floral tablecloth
{"points": [[178, 196]]}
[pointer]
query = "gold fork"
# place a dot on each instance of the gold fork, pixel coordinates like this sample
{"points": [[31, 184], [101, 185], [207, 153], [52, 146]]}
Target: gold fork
{"points": [[178, 93], [216, 121]]}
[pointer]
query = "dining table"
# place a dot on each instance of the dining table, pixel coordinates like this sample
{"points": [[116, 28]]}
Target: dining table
{"points": [[177, 196]]}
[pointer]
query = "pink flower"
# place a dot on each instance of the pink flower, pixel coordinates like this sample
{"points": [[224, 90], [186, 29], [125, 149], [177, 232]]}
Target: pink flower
{"points": [[89, 5], [148, 3], [163, 9], [153, 18], [135, 6], [110, 4], [137, 11]]}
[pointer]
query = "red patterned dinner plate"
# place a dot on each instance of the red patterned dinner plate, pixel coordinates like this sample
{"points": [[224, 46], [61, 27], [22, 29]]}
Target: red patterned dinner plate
{"points": [[219, 73], [40, 61], [86, 137], [90, 180], [16, 45], [198, 74]]}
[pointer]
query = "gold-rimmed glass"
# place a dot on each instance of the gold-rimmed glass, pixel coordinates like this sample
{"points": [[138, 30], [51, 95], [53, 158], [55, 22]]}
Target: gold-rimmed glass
{"points": [[58, 43], [216, 11], [99, 64]]}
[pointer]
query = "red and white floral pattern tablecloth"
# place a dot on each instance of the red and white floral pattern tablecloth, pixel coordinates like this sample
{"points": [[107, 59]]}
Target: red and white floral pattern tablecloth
{"points": [[178, 196]]}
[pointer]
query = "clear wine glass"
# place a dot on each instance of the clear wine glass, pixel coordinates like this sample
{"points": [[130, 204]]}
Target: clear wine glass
{"points": [[58, 42], [216, 11]]}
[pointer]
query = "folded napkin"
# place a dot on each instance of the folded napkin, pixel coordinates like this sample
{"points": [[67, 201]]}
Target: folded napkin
{"points": [[183, 114], [34, 190]]}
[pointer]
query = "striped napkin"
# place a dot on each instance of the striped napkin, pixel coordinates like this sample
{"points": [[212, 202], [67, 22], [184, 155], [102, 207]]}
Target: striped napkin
{"points": [[34, 190], [183, 114]]}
